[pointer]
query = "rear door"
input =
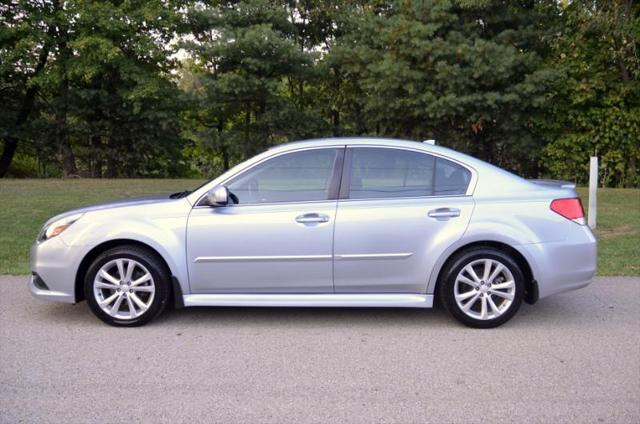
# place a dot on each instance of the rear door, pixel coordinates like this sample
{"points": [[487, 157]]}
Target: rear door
{"points": [[399, 209]]}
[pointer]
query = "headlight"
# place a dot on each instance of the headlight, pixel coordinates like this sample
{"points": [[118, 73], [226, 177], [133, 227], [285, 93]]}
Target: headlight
{"points": [[57, 227]]}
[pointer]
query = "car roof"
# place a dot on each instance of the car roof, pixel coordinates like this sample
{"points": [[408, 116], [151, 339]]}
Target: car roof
{"points": [[332, 141], [377, 141]]}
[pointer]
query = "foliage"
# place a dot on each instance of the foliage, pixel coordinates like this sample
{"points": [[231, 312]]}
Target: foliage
{"points": [[105, 87], [596, 107], [190, 88], [246, 80], [468, 74]]}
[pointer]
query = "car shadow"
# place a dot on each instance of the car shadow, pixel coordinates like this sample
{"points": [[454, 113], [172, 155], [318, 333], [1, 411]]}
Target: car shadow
{"points": [[540, 314], [544, 312]]}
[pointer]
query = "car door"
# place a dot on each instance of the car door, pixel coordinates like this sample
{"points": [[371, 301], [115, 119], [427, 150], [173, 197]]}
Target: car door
{"points": [[277, 237], [399, 209]]}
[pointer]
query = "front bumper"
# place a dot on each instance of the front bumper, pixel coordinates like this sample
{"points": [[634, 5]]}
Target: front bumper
{"points": [[45, 294], [55, 264]]}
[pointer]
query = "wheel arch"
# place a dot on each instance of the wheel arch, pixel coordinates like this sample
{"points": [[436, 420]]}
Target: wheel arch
{"points": [[531, 286], [87, 260]]}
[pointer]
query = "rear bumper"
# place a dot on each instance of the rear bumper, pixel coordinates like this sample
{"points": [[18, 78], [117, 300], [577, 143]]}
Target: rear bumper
{"points": [[565, 265]]}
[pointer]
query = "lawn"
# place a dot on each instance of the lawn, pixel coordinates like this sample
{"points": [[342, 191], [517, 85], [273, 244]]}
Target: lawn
{"points": [[618, 230], [26, 204]]}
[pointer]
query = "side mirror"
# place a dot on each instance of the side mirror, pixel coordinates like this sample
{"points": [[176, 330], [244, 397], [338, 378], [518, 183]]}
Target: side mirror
{"points": [[219, 196]]}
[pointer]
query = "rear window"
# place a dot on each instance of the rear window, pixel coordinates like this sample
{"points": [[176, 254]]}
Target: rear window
{"points": [[451, 179]]}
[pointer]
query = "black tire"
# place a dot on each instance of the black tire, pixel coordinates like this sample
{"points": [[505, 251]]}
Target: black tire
{"points": [[152, 263], [446, 286]]}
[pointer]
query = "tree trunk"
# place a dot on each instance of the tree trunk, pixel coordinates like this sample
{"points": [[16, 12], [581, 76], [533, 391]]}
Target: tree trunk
{"points": [[11, 140], [111, 167], [224, 149], [62, 130], [96, 155], [335, 115], [247, 141], [68, 159], [69, 168]]}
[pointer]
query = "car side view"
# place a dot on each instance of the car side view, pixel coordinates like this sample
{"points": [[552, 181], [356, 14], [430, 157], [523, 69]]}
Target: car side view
{"points": [[340, 222]]}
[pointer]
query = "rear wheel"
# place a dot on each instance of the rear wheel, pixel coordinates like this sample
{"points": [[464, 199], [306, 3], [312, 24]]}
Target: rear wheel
{"points": [[482, 287], [127, 286]]}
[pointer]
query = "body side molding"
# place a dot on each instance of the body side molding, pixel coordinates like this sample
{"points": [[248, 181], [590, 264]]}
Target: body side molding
{"points": [[328, 300]]}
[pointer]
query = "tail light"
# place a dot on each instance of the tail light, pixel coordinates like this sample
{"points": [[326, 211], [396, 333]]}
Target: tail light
{"points": [[570, 209]]}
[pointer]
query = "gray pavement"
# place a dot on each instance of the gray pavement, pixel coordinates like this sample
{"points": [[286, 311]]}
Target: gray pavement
{"points": [[570, 358]]}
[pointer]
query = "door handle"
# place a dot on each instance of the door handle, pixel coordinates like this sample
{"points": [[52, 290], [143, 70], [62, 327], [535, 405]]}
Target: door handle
{"points": [[312, 218], [444, 213]]}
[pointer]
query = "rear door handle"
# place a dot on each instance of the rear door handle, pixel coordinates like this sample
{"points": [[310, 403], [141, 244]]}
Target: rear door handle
{"points": [[444, 213], [312, 218]]}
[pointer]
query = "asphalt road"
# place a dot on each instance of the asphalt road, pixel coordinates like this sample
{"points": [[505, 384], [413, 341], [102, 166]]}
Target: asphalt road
{"points": [[570, 358]]}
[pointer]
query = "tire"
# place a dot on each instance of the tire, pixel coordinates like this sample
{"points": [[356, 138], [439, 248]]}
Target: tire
{"points": [[145, 286], [501, 298]]}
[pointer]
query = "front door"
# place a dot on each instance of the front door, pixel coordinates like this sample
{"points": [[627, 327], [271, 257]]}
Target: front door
{"points": [[399, 209], [277, 237]]}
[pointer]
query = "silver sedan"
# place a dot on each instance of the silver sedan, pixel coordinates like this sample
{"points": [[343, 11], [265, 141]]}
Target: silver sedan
{"points": [[343, 222]]}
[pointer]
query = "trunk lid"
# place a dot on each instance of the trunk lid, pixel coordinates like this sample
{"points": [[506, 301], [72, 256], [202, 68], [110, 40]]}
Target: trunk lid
{"points": [[554, 183]]}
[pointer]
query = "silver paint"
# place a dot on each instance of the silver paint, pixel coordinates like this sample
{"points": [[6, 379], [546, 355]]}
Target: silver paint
{"points": [[340, 250]]}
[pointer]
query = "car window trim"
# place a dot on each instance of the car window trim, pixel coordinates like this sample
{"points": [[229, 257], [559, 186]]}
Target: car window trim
{"points": [[346, 174], [345, 181], [334, 188], [335, 183]]}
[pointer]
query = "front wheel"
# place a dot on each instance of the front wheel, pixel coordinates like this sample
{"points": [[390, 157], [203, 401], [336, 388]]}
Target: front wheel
{"points": [[126, 286], [482, 287]]}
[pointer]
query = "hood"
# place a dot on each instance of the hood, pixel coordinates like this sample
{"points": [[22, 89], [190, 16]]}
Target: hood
{"points": [[114, 204]]}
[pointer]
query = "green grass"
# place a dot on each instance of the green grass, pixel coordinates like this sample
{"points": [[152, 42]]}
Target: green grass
{"points": [[618, 230], [26, 204]]}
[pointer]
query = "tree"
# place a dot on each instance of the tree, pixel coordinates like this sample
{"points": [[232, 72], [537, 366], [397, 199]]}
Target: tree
{"points": [[465, 73], [248, 79], [106, 96], [596, 104], [25, 44]]}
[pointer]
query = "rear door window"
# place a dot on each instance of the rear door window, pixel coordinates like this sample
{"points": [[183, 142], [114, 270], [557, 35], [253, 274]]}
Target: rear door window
{"points": [[384, 173], [390, 173]]}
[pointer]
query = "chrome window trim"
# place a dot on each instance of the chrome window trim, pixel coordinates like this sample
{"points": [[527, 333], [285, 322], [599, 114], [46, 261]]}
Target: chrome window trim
{"points": [[242, 172], [470, 188]]}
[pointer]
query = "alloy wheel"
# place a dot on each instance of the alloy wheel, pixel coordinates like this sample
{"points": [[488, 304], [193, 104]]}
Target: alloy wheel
{"points": [[124, 288], [484, 289]]}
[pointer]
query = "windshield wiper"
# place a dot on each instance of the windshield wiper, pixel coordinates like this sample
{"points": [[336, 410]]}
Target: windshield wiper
{"points": [[179, 194]]}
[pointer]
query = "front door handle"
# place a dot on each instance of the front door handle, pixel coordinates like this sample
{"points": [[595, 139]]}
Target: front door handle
{"points": [[444, 213], [312, 218]]}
